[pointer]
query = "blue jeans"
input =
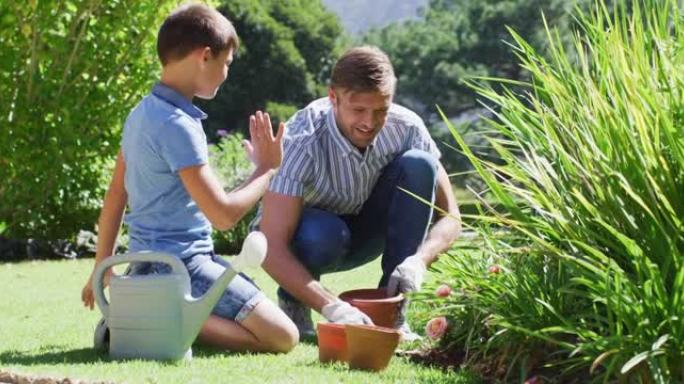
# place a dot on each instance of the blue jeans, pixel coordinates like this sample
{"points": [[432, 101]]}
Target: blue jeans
{"points": [[391, 222], [238, 299]]}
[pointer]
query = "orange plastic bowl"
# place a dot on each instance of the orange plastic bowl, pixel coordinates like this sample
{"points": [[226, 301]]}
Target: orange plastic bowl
{"points": [[377, 304], [332, 342], [370, 347]]}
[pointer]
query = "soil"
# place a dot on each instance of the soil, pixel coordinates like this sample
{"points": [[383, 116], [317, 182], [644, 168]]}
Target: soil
{"points": [[15, 378]]}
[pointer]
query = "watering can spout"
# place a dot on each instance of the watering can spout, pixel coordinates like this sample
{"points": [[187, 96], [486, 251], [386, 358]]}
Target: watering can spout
{"points": [[197, 310]]}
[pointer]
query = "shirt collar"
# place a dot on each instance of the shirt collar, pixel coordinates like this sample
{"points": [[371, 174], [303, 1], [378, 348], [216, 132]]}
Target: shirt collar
{"points": [[342, 142], [172, 97]]}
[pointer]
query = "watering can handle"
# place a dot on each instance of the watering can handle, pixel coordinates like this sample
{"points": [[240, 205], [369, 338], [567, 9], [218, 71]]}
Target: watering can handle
{"points": [[177, 266]]}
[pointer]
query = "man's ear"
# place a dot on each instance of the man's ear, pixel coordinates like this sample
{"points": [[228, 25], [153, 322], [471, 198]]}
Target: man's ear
{"points": [[332, 95]]}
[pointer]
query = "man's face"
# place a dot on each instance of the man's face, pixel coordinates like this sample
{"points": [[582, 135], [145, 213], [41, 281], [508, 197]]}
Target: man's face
{"points": [[213, 71], [359, 115]]}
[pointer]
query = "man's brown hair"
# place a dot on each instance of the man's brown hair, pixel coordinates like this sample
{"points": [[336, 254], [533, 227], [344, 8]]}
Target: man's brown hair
{"points": [[363, 69], [194, 26]]}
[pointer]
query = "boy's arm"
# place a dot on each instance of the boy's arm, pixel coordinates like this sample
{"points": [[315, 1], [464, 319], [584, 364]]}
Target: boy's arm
{"points": [[108, 225], [224, 210]]}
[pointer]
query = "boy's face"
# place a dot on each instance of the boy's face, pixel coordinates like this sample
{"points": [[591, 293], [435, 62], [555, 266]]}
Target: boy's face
{"points": [[359, 115], [213, 71]]}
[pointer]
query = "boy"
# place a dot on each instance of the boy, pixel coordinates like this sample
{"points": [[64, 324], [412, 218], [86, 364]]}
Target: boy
{"points": [[174, 197]]}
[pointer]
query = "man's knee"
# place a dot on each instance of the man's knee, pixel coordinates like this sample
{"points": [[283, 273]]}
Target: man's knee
{"points": [[320, 239], [419, 165]]}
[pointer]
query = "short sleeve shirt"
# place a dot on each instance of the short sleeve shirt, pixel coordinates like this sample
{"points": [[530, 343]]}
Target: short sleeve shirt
{"points": [[162, 135], [327, 171]]}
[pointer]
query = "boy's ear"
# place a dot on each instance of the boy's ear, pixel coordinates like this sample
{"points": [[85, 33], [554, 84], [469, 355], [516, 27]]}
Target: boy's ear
{"points": [[202, 55], [207, 54]]}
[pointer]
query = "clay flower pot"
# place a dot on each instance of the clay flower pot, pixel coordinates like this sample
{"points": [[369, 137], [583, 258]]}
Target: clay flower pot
{"points": [[375, 303], [370, 347], [332, 342]]}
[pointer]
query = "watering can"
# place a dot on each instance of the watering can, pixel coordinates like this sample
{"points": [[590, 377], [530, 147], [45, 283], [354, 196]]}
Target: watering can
{"points": [[155, 316]]}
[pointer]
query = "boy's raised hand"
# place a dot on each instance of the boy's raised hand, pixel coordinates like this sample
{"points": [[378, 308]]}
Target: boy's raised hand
{"points": [[264, 149]]}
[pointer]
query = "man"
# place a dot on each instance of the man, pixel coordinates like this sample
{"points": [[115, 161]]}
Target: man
{"points": [[353, 165]]}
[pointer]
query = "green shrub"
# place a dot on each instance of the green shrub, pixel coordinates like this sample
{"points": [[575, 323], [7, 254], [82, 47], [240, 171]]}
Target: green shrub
{"points": [[588, 237], [230, 163], [70, 71]]}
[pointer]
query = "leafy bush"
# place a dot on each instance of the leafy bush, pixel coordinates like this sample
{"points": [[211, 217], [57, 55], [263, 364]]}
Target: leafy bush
{"points": [[581, 267], [70, 71], [229, 161]]}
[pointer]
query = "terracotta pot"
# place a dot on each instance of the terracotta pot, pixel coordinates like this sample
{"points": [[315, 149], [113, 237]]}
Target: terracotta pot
{"points": [[370, 347], [375, 303], [332, 342]]}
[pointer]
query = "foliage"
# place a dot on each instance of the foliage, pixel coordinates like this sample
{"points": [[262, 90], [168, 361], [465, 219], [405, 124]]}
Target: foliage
{"points": [[69, 73], [230, 163], [458, 39], [287, 48], [588, 238]]}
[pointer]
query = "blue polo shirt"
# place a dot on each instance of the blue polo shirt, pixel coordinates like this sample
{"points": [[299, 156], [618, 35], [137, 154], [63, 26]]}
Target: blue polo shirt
{"points": [[162, 135]]}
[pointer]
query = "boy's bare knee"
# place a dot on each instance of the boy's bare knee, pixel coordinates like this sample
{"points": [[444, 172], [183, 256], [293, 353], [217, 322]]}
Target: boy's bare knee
{"points": [[284, 342], [274, 330], [283, 338]]}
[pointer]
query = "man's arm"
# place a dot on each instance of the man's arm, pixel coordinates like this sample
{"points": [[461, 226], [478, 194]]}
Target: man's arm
{"points": [[408, 276], [281, 214], [109, 224], [448, 227]]}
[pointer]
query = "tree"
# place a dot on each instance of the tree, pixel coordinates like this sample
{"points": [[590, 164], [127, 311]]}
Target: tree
{"points": [[70, 71], [287, 49], [459, 39]]}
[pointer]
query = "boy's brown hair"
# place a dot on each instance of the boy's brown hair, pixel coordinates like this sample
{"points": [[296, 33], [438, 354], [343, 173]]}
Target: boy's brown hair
{"points": [[363, 69], [194, 26]]}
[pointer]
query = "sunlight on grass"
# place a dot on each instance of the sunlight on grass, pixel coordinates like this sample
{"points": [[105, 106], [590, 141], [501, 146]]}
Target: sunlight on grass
{"points": [[45, 331]]}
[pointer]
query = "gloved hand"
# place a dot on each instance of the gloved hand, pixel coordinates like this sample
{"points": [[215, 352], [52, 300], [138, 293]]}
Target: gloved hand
{"points": [[407, 277], [342, 312]]}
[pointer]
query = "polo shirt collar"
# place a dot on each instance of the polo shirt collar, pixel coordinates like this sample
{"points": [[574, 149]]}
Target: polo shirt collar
{"points": [[174, 98]]}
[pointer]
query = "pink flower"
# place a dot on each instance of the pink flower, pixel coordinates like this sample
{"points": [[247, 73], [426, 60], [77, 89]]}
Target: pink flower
{"points": [[443, 291], [494, 269], [221, 133], [533, 380], [436, 327]]}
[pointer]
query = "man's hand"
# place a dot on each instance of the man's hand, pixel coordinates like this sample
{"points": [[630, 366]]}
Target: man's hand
{"points": [[342, 312], [263, 149], [407, 277]]}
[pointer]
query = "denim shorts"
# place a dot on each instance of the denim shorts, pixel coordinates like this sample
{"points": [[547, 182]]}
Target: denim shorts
{"points": [[238, 300]]}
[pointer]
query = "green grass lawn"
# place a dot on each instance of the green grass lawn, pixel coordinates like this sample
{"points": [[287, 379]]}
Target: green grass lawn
{"points": [[45, 331]]}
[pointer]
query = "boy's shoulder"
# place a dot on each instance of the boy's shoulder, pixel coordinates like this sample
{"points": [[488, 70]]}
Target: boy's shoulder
{"points": [[163, 107]]}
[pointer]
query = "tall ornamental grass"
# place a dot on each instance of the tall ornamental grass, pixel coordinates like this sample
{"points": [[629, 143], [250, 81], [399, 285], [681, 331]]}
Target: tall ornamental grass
{"points": [[578, 275]]}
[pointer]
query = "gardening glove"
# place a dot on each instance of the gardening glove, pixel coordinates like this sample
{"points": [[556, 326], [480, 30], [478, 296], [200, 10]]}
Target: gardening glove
{"points": [[407, 277], [342, 312]]}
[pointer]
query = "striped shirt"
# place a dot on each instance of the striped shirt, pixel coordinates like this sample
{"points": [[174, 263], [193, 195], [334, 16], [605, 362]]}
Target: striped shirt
{"points": [[323, 167]]}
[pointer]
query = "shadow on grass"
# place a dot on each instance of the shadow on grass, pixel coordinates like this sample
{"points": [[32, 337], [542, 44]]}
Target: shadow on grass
{"points": [[53, 355]]}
